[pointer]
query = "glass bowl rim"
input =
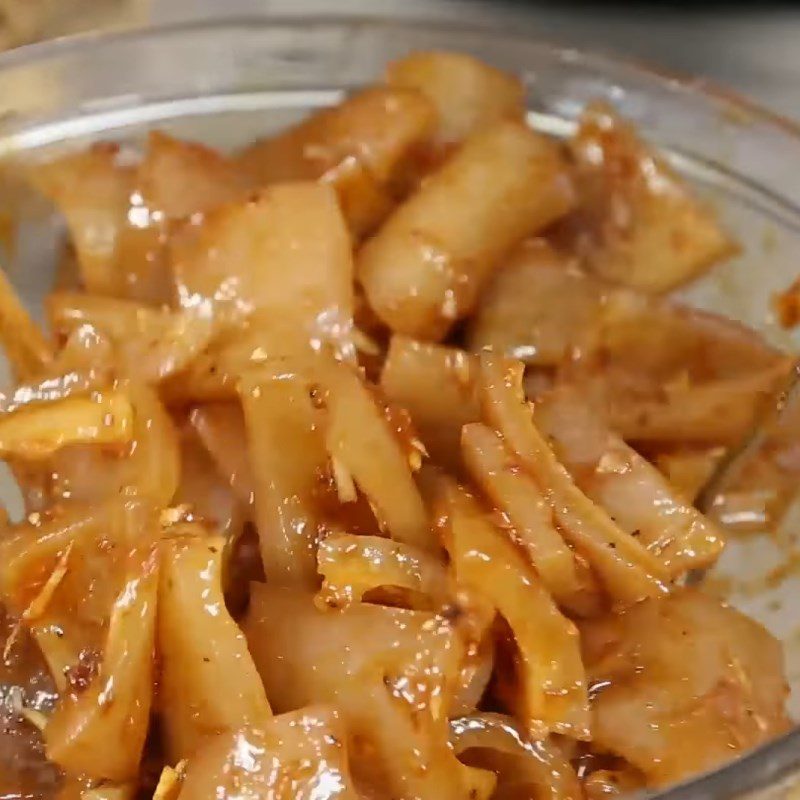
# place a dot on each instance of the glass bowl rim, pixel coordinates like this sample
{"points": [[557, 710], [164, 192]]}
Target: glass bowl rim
{"points": [[766, 766], [749, 110]]}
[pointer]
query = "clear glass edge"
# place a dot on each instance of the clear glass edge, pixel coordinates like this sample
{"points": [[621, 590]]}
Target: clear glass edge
{"points": [[775, 764], [751, 111]]}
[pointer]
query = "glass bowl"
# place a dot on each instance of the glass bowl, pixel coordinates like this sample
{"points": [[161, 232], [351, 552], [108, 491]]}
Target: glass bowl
{"points": [[226, 83]]}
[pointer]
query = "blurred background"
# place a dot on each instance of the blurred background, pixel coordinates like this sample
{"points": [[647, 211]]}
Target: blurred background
{"points": [[753, 48]]}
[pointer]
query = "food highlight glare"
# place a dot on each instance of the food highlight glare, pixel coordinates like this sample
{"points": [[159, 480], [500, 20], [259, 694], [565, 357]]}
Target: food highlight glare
{"points": [[360, 464]]}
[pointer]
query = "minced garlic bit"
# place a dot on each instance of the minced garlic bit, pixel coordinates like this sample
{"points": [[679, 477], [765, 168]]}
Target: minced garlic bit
{"points": [[461, 368], [14, 698], [365, 343], [34, 717], [12, 639], [418, 452], [39, 604], [174, 514], [613, 462], [170, 781], [31, 715], [345, 485]]}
